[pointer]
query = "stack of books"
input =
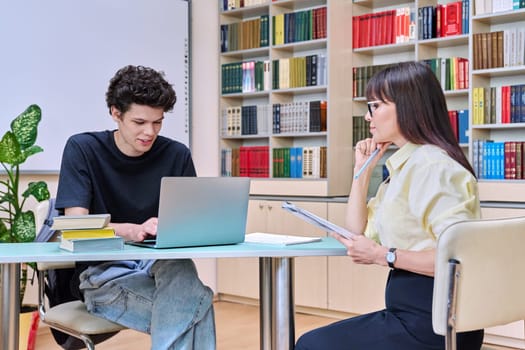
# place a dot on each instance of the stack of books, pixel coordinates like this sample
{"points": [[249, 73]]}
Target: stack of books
{"points": [[79, 233]]}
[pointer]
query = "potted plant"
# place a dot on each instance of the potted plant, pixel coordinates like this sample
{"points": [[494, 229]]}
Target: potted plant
{"points": [[17, 225]]}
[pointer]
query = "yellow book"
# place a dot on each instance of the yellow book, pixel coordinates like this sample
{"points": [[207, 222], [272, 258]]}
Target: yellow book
{"points": [[88, 233], [279, 29]]}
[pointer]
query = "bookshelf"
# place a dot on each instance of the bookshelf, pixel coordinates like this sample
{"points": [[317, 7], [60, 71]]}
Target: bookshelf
{"points": [[463, 44], [495, 63], [303, 94], [492, 75]]}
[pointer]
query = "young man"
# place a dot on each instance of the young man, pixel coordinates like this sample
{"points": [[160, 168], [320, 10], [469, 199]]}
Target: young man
{"points": [[119, 172]]}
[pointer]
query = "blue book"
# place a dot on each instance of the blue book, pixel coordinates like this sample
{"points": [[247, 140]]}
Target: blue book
{"points": [[463, 126], [299, 160]]}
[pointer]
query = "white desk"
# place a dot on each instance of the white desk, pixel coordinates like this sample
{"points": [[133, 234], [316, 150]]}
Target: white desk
{"points": [[275, 274]]}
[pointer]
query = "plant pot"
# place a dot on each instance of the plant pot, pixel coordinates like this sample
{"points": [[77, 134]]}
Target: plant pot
{"points": [[29, 319]]}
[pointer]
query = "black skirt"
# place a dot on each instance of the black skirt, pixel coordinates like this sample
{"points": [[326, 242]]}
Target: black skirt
{"points": [[405, 324]]}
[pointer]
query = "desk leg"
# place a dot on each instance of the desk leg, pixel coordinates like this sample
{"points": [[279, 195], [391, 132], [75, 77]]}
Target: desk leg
{"points": [[9, 305], [277, 310]]}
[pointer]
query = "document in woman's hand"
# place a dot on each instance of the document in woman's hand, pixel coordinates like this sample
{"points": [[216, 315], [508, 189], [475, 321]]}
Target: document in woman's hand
{"points": [[316, 220]]}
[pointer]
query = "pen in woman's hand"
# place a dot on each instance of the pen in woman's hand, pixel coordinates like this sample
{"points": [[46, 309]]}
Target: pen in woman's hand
{"points": [[372, 156]]}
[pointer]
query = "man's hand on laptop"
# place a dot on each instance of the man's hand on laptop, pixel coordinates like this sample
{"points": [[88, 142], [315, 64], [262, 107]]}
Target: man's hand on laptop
{"points": [[137, 232]]}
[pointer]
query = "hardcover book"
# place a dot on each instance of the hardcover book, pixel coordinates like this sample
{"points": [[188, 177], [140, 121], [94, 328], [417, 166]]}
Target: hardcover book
{"points": [[65, 222], [88, 233], [92, 244]]}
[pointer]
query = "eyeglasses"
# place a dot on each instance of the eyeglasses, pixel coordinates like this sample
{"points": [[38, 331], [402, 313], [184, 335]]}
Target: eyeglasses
{"points": [[372, 106]]}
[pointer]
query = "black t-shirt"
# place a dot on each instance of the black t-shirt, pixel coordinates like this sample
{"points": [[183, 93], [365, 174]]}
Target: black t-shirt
{"points": [[96, 175]]}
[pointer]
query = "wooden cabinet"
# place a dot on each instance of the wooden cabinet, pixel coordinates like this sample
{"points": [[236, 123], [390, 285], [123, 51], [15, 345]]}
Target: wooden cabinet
{"points": [[352, 287], [239, 277]]}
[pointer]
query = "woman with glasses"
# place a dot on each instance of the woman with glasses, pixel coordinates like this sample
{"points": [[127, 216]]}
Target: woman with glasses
{"points": [[431, 185]]}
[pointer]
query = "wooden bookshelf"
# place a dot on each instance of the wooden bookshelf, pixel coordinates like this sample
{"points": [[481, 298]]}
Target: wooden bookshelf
{"points": [[337, 138], [461, 45]]}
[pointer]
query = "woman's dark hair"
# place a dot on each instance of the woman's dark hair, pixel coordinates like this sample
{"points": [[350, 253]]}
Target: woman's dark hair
{"points": [[421, 107], [140, 85]]}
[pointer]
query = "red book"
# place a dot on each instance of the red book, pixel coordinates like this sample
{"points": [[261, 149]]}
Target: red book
{"points": [[439, 11], [505, 104], [520, 160], [243, 161], [355, 32], [510, 159], [453, 19], [453, 116]]}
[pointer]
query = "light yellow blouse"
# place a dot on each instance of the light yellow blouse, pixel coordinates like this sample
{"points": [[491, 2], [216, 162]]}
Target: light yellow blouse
{"points": [[427, 191]]}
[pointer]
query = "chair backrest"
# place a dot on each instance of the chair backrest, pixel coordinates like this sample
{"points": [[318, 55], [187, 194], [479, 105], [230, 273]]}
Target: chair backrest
{"points": [[491, 283], [41, 211]]}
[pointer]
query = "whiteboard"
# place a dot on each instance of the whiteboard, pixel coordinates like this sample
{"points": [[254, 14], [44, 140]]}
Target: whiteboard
{"points": [[61, 54]]}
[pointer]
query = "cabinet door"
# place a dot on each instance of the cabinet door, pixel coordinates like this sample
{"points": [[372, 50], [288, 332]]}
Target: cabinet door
{"points": [[310, 272], [240, 276], [353, 288]]}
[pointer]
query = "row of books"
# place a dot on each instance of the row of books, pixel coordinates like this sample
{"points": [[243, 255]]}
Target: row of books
{"points": [[284, 73], [294, 117], [246, 76], [254, 161], [443, 20], [451, 72], [299, 26], [384, 27], [299, 162], [459, 120], [360, 129], [498, 104], [499, 160], [227, 5], [504, 48], [361, 76], [245, 35], [299, 117], [493, 6], [246, 161], [79, 233], [301, 71], [246, 120]]}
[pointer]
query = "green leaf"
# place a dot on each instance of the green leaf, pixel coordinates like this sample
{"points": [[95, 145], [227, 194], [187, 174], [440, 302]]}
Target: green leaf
{"points": [[4, 232], [38, 190], [24, 227], [10, 151], [7, 198], [25, 126], [31, 150]]}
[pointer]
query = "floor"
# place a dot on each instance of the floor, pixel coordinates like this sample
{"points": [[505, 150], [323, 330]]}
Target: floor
{"points": [[237, 329]]}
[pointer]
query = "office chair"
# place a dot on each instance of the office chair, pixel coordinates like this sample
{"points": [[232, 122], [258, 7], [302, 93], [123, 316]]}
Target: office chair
{"points": [[72, 317], [479, 279]]}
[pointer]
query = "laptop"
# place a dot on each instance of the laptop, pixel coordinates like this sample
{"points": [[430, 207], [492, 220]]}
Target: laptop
{"points": [[201, 211]]}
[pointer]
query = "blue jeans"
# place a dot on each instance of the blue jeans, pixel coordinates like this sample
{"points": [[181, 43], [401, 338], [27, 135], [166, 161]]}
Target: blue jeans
{"points": [[164, 298]]}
